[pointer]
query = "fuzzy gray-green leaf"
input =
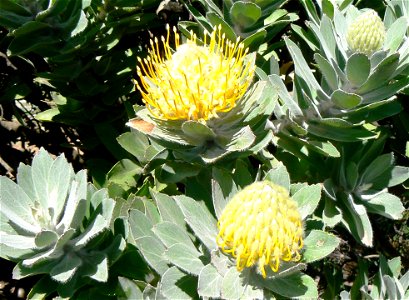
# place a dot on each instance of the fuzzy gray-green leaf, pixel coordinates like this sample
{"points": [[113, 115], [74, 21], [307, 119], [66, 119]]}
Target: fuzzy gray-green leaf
{"points": [[358, 68], [327, 70], [210, 282], [172, 283], [396, 34], [318, 244], [279, 176], [153, 252], [307, 198], [66, 268], [345, 100], [168, 208], [185, 257], [199, 219], [296, 285], [171, 234], [387, 205]]}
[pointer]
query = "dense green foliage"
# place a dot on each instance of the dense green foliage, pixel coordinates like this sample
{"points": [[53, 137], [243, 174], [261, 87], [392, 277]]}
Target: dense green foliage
{"points": [[326, 117]]}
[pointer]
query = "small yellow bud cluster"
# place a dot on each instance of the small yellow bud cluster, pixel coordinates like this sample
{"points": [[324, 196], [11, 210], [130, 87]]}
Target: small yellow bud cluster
{"points": [[366, 34], [261, 225]]}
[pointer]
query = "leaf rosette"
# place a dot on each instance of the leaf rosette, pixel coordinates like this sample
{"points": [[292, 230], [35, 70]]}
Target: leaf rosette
{"points": [[53, 222]]}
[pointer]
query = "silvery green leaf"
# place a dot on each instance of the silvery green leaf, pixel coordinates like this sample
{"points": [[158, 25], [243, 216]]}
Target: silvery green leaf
{"points": [[325, 148], [396, 34], [174, 283], [168, 208], [223, 188], [66, 268], [64, 238], [221, 262], [77, 193], [96, 196], [153, 252], [95, 228], [21, 271], [356, 220], [45, 238], [135, 142], [244, 14], [279, 176], [210, 282], [327, 38], [232, 285], [357, 69], [15, 206], [288, 102], [151, 211], [385, 92], [296, 285], [374, 111], [17, 241], [338, 132], [327, 71], [307, 198], [140, 225], [242, 140], [59, 179], [100, 262], [199, 219], [197, 132], [176, 171], [185, 257], [171, 234], [302, 68], [318, 244], [352, 175], [390, 285], [40, 170], [151, 293], [404, 280], [387, 205], [398, 175], [25, 180], [377, 167], [128, 289], [13, 254], [380, 75], [345, 100]]}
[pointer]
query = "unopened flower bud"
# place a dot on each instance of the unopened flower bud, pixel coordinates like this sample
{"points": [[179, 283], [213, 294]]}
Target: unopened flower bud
{"points": [[366, 33]]}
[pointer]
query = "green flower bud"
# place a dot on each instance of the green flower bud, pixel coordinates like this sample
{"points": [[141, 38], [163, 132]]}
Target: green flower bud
{"points": [[367, 33]]}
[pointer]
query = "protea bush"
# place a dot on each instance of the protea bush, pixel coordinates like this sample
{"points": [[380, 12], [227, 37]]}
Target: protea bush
{"points": [[213, 149], [53, 222]]}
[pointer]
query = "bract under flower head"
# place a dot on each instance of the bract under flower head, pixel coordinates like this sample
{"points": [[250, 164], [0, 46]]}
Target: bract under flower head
{"points": [[261, 225], [194, 82]]}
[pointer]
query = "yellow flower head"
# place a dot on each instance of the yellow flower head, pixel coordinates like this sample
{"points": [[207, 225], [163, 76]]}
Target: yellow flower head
{"points": [[261, 224], [194, 82]]}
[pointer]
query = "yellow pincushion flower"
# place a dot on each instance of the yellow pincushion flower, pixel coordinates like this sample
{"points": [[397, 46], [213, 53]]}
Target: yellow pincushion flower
{"points": [[261, 225], [194, 82]]}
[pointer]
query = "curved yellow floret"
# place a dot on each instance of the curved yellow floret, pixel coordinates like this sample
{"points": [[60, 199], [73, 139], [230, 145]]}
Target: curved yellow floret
{"points": [[261, 225], [194, 82]]}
